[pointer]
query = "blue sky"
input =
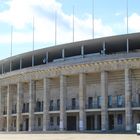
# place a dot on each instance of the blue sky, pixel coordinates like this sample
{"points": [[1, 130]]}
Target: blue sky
{"points": [[110, 19]]}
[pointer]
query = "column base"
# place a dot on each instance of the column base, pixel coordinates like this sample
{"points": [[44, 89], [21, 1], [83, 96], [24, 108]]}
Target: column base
{"points": [[61, 128], [128, 128], [81, 126], [104, 130], [44, 130], [30, 130]]}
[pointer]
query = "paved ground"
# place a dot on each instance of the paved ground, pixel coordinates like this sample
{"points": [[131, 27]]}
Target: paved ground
{"points": [[69, 137]]}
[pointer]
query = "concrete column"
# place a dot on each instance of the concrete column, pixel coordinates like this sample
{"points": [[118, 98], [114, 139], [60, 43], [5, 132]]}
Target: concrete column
{"points": [[19, 105], [0, 110], [2, 69], [128, 110], [115, 121], [63, 53], [62, 102], [104, 48], [82, 92], [46, 104], [127, 45], [47, 56], [33, 60], [8, 109], [95, 122], [10, 65], [104, 103], [21, 63], [82, 51], [31, 104]]}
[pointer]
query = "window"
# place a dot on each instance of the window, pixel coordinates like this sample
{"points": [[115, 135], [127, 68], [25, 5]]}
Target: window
{"points": [[139, 100], [90, 101], [38, 106], [58, 120], [109, 101], [99, 101], [73, 103], [51, 105], [25, 107], [119, 100], [23, 110], [58, 104], [14, 123], [51, 121], [14, 109], [119, 119], [39, 121], [42, 103], [5, 110]]}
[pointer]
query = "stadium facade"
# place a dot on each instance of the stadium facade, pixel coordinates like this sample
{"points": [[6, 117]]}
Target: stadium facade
{"points": [[87, 85]]}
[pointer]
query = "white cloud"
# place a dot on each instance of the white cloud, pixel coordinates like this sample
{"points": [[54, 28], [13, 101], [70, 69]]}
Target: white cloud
{"points": [[120, 27], [118, 13], [20, 15], [134, 22]]}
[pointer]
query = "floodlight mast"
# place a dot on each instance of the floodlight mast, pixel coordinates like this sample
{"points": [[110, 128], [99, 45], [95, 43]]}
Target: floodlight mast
{"points": [[33, 32], [93, 19], [11, 41], [127, 16], [55, 27], [73, 23]]}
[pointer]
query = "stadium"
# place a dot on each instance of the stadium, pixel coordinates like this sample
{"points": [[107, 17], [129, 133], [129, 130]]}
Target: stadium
{"points": [[87, 85]]}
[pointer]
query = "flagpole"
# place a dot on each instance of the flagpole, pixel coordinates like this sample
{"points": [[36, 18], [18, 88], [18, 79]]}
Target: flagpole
{"points": [[93, 19], [11, 40], [55, 27], [73, 23]]}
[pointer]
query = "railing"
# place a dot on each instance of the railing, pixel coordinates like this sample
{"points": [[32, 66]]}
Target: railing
{"points": [[39, 109], [54, 108], [25, 110], [135, 104], [96, 106], [115, 105], [93, 106], [72, 107]]}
